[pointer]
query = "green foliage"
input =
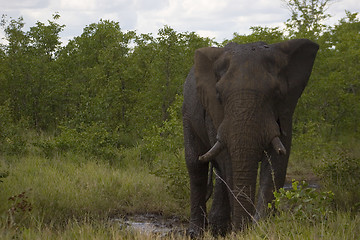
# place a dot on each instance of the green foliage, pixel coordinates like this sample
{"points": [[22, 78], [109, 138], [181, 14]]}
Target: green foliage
{"points": [[340, 173], [29, 82], [92, 139], [169, 136], [305, 203], [164, 147], [162, 65], [307, 139], [95, 77], [172, 169], [331, 99], [11, 136], [102, 85], [306, 17], [265, 34], [128, 81]]}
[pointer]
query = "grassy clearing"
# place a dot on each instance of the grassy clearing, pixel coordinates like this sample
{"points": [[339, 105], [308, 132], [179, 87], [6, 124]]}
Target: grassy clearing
{"points": [[71, 187]]}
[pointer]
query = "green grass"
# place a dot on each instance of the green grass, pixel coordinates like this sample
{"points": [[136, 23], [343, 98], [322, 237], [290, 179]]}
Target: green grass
{"points": [[66, 188], [340, 226], [308, 152]]}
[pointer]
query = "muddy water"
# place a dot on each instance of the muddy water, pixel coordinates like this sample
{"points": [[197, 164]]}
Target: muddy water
{"points": [[159, 225], [153, 224]]}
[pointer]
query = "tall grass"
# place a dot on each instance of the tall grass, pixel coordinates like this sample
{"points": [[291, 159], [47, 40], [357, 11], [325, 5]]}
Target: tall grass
{"points": [[70, 187], [340, 226]]}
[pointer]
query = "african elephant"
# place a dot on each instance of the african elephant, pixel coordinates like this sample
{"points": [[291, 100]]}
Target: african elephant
{"points": [[237, 112]]}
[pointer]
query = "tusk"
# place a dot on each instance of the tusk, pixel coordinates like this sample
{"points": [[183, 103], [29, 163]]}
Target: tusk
{"points": [[278, 146], [213, 152]]}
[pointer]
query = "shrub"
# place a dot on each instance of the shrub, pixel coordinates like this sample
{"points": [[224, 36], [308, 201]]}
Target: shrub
{"points": [[19, 211], [303, 202], [340, 173], [172, 169], [93, 139], [164, 149], [11, 136], [169, 136]]}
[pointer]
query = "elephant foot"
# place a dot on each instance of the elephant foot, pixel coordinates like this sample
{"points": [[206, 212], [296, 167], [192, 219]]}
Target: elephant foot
{"points": [[220, 229], [219, 221], [194, 231]]}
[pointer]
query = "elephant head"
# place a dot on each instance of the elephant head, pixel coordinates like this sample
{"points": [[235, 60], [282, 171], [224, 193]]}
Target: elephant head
{"points": [[250, 92]]}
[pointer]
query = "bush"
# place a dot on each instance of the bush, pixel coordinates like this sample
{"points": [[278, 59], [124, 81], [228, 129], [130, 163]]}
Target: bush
{"points": [[303, 202], [20, 210], [169, 136], [164, 149], [90, 139], [173, 170], [11, 135], [340, 173]]}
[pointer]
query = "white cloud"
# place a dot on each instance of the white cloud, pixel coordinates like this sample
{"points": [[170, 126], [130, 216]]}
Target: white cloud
{"points": [[212, 18], [200, 7], [18, 4], [146, 5], [79, 5]]}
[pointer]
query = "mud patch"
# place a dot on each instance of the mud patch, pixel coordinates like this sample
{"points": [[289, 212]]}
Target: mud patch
{"points": [[162, 226], [152, 224]]}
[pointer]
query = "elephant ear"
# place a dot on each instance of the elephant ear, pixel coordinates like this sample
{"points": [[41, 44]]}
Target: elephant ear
{"points": [[300, 56], [206, 80]]}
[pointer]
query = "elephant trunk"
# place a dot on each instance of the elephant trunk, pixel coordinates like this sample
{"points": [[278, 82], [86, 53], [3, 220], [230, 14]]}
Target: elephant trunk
{"points": [[244, 173], [244, 160], [251, 128]]}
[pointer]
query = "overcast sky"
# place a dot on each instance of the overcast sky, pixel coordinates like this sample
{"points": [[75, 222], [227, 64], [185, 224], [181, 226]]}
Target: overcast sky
{"points": [[217, 19]]}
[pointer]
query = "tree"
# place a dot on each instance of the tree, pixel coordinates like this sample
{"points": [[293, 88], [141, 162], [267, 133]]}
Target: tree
{"points": [[94, 71], [162, 66], [30, 68], [343, 75], [331, 99], [265, 34], [306, 17]]}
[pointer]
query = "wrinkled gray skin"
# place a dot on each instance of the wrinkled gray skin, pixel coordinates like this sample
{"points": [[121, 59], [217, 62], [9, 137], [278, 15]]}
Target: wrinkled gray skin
{"points": [[241, 98]]}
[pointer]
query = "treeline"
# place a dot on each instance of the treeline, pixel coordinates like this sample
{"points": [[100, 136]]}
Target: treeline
{"points": [[108, 88], [121, 79], [107, 83]]}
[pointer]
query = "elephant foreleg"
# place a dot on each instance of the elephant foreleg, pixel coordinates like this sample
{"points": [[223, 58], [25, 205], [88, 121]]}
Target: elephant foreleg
{"points": [[219, 216], [272, 177], [198, 173]]}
